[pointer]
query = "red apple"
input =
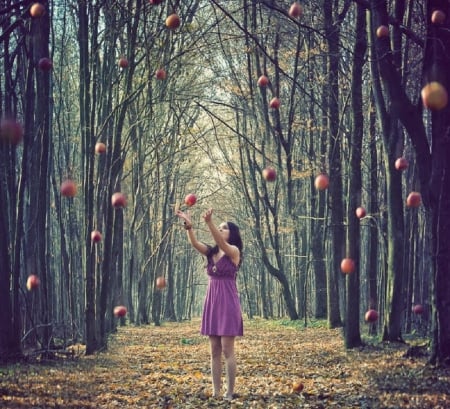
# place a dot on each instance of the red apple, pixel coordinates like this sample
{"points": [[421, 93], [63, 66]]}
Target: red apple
{"points": [[155, 1], [417, 309], [347, 265], [360, 212], [100, 148], [96, 236], [45, 64], [297, 386], [414, 199], [382, 31], [263, 81], [295, 10], [401, 163], [269, 174], [120, 311], [123, 62], [321, 182], [190, 199], [275, 103], [68, 188], [160, 74], [434, 96], [37, 10], [438, 17], [371, 316], [160, 283], [118, 199], [11, 131], [173, 21], [33, 282]]}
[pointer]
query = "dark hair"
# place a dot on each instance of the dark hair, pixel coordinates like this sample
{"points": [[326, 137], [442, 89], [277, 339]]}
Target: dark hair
{"points": [[234, 239]]}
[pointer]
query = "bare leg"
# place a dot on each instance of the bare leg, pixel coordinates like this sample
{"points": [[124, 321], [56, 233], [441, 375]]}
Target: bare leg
{"points": [[230, 364], [216, 363]]}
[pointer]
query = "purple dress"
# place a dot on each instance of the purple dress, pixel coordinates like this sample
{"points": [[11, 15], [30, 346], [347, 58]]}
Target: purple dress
{"points": [[221, 309]]}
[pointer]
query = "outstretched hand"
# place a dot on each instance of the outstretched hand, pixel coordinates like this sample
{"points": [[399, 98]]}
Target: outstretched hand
{"points": [[184, 216], [208, 215]]}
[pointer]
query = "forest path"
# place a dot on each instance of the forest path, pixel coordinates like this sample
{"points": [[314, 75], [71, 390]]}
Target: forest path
{"points": [[168, 367]]}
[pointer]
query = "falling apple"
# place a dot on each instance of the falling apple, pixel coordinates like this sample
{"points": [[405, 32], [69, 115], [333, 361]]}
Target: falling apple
{"points": [[96, 236], [173, 21], [100, 148], [123, 62], [371, 315], [68, 188], [348, 265], [438, 17], [434, 96], [275, 103], [417, 309], [382, 32], [414, 199], [263, 81], [160, 74], [360, 212], [33, 282], [160, 283], [401, 163], [295, 11], [269, 174], [190, 199], [11, 131], [321, 182], [120, 311], [45, 64], [37, 10], [118, 200]]}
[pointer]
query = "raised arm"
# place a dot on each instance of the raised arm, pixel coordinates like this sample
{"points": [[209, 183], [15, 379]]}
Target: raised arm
{"points": [[230, 250], [198, 245]]}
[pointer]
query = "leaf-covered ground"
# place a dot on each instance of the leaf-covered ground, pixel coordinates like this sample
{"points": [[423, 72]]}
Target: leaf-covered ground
{"points": [[168, 367]]}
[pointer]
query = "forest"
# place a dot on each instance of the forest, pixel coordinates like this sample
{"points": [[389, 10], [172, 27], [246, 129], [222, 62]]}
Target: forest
{"points": [[321, 128]]}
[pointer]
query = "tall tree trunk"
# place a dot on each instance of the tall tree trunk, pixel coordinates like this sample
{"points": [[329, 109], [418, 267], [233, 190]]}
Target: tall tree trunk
{"points": [[351, 330]]}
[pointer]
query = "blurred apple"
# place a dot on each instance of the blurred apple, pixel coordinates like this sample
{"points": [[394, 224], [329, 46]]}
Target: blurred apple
{"points": [[45, 64], [263, 81], [96, 236], [414, 199], [100, 148], [321, 182], [417, 309], [155, 1], [160, 74], [11, 131], [33, 282], [382, 31], [295, 10], [37, 10], [360, 212], [118, 199], [401, 164], [297, 386], [269, 174], [120, 311], [371, 315], [434, 96], [275, 103], [438, 17], [173, 21], [347, 265], [68, 188], [190, 199], [160, 283], [123, 62]]}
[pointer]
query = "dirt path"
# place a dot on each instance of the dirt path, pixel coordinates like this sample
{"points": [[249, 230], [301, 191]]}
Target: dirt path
{"points": [[168, 367]]}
